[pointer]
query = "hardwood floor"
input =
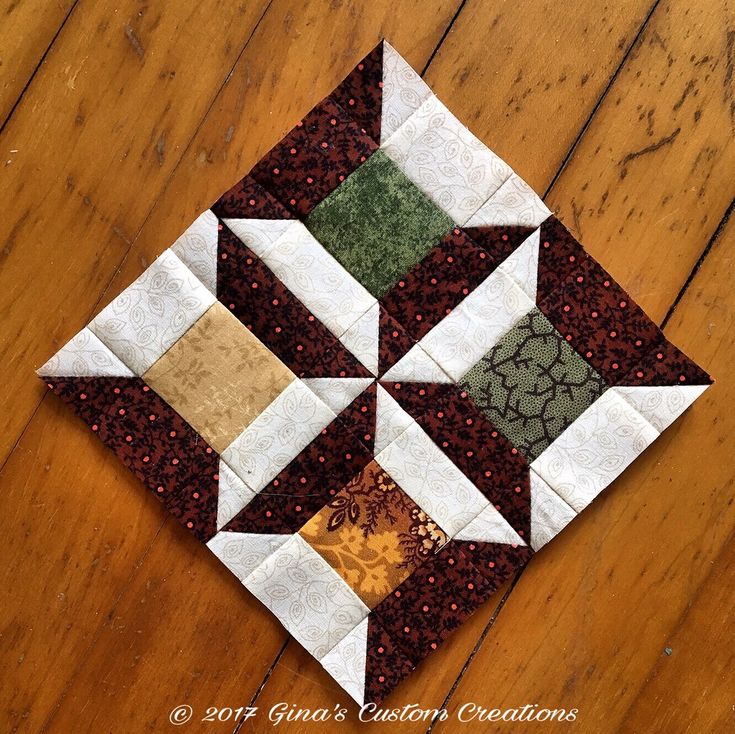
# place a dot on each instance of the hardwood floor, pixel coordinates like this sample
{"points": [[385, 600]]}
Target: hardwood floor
{"points": [[121, 121]]}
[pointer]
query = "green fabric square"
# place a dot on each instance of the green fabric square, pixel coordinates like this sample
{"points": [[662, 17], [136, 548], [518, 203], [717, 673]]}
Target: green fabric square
{"points": [[378, 224], [532, 385]]}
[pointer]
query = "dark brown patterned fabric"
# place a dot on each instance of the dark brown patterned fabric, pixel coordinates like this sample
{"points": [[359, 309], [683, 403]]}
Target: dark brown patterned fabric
{"points": [[314, 158], [361, 93], [359, 416], [433, 287], [262, 302], [558, 255], [432, 602], [306, 484], [484, 455], [247, 199], [386, 664], [498, 241], [393, 340], [153, 441], [665, 364], [600, 320], [496, 561]]}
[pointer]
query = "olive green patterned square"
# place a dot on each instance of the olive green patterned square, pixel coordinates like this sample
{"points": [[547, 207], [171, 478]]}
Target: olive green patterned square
{"points": [[532, 385], [378, 224]]}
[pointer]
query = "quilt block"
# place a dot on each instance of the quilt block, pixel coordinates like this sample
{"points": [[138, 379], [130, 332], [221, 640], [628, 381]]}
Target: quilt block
{"points": [[375, 377]]}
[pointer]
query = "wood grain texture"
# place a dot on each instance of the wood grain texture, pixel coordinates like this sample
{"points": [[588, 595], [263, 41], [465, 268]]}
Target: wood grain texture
{"points": [[525, 77], [652, 176], [110, 615], [27, 29], [35, 526]]}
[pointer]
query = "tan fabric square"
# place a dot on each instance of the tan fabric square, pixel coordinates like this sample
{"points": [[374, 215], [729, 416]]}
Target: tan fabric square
{"points": [[219, 377]]}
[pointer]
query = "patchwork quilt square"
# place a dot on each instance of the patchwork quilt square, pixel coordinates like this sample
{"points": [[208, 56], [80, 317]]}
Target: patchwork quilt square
{"points": [[375, 377], [218, 377], [373, 534], [532, 384], [378, 224]]}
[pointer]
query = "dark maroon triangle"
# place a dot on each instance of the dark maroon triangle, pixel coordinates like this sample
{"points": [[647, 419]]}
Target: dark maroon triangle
{"points": [[484, 455], [338, 362], [247, 286], [386, 665], [153, 441], [359, 416], [599, 319], [395, 342], [559, 254], [417, 398], [313, 159], [433, 601], [306, 484], [361, 93], [446, 275], [247, 199], [665, 364], [499, 241], [496, 561]]}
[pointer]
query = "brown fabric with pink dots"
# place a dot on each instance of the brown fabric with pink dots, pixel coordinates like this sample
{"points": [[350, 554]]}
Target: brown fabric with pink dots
{"points": [[153, 441]]}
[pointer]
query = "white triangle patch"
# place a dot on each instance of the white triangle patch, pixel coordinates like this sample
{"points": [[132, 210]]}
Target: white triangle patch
{"points": [[84, 355], [347, 660], [660, 405], [363, 338], [522, 264], [550, 514], [259, 234], [489, 527], [233, 494], [242, 553], [416, 366], [197, 249], [391, 420], [337, 392], [404, 91]]}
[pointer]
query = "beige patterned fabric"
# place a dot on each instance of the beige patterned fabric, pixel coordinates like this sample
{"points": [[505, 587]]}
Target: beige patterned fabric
{"points": [[219, 377], [152, 313]]}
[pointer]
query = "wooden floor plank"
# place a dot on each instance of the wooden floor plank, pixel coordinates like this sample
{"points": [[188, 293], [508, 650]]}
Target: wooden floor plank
{"points": [[98, 132], [299, 677], [27, 29], [76, 523], [690, 687], [593, 611], [270, 107], [182, 633], [91, 124], [652, 176], [524, 77]]}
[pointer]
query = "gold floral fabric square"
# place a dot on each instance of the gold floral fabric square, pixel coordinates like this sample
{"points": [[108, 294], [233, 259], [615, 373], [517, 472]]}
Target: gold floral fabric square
{"points": [[373, 534]]}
